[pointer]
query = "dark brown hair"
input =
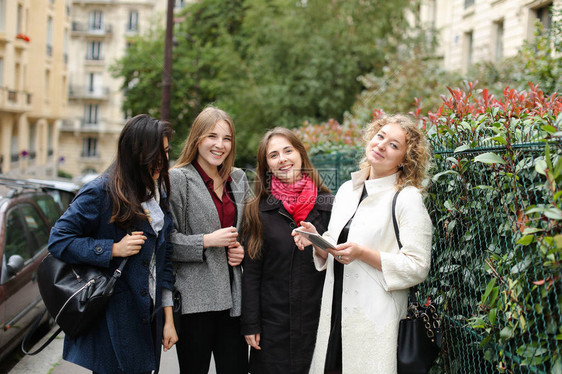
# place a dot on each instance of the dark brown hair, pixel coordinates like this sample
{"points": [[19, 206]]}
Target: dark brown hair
{"points": [[140, 151], [252, 227]]}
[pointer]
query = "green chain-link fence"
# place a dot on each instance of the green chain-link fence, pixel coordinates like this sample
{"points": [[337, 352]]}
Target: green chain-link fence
{"points": [[500, 301]]}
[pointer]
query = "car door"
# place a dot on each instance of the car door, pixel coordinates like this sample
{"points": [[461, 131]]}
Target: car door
{"points": [[27, 235]]}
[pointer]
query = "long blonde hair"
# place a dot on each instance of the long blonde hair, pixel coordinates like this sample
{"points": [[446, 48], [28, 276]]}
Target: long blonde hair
{"points": [[252, 227], [417, 157], [203, 125]]}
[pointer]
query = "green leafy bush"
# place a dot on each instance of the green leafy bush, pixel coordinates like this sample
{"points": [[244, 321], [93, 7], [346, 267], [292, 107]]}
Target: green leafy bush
{"points": [[496, 204]]}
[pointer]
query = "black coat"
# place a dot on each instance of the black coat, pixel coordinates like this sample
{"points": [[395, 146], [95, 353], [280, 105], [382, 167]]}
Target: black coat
{"points": [[281, 291]]}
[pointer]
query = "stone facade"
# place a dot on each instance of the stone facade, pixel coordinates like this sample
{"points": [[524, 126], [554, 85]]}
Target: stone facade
{"points": [[33, 79], [471, 31]]}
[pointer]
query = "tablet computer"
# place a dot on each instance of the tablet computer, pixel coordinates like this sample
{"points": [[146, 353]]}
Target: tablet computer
{"points": [[316, 239]]}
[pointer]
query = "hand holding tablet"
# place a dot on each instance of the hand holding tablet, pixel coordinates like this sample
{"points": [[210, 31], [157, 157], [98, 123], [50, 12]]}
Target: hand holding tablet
{"points": [[315, 239]]}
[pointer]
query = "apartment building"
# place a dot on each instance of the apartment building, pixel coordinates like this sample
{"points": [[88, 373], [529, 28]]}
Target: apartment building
{"points": [[100, 34], [33, 80], [471, 31]]}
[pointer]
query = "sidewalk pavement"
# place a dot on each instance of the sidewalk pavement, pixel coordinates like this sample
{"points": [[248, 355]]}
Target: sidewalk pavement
{"points": [[49, 360]]}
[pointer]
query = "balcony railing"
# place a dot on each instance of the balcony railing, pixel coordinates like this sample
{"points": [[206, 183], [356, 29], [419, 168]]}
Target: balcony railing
{"points": [[14, 101], [94, 58], [91, 155], [87, 29], [84, 92]]}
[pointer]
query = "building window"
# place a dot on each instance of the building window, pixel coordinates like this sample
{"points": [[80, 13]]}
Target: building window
{"points": [[32, 140], [2, 15], [544, 16], [468, 3], [94, 83], [91, 114], [179, 4], [65, 46], [94, 50], [89, 147], [1, 72], [50, 36], [498, 40], [19, 20], [467, 50], [133, 23], [47, 84], [95, 20]]}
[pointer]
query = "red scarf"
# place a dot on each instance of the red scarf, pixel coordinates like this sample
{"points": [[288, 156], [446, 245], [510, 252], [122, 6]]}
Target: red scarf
{"points": [[298, 198]]}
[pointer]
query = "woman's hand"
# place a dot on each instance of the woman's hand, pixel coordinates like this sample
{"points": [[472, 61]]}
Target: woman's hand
{"points": [[300, 240], [253, 341], [169, 335], [220, 238], [235, 254], [130, 245], [303, 242], [348, 252]]}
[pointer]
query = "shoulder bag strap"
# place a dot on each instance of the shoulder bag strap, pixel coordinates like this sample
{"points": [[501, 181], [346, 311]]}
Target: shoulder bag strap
{"points": [[397, 233]]}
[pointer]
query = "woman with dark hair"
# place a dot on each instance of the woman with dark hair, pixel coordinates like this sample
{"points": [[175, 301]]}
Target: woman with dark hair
{"points": [[281, 289], [367, 274], [124, 214], [207, 206]]}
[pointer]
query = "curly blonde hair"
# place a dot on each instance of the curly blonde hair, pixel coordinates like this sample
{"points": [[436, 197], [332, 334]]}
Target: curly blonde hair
{"points": [[417, 159]]}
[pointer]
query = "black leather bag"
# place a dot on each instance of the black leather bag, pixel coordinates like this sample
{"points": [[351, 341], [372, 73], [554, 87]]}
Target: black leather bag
{"points": [[75, 295], [419, 338], [419, 334]]}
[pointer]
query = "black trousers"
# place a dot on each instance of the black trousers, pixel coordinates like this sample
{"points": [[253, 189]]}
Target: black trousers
{"points": [[211, 332]]}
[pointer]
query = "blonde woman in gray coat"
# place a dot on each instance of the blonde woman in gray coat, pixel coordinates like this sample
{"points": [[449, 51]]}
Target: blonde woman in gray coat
{"points": [[207, 200]]}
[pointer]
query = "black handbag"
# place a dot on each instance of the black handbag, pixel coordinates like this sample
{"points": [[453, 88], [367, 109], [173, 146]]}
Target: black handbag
{"points": [[419, 334], [74, 295]]}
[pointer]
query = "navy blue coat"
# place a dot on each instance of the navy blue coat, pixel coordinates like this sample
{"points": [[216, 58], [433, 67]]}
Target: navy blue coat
{"points": [[121, 340]]}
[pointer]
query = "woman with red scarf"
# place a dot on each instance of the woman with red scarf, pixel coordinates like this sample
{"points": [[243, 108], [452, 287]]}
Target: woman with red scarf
{"points": [[281, 288]]}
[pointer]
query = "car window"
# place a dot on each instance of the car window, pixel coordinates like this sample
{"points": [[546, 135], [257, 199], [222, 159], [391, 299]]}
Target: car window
{"points": [[49, 208], [36, 226], [16, 237]]}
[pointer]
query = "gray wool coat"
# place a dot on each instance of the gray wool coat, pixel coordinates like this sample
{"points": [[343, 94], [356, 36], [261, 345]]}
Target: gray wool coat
{"points": [[203, 278]]}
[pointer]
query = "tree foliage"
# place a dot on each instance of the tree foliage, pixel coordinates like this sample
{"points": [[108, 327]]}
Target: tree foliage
{"points": [[267, 63]]}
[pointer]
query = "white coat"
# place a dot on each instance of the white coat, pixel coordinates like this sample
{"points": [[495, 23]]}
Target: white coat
{"points": [[373, 301]]}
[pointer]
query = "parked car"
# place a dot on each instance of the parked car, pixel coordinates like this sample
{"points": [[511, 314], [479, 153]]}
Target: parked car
{"points": [[27, 212]]}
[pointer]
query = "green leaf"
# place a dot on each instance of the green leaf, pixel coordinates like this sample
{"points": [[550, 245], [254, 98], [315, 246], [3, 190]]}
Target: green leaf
{"points": [[526, 240], [521, 265], [540, 166], [549, 128], [463, 147], [492, 315], [558, 241], [439, 175], [500, 139], [489, 288], [489, 158], [557, 168], [506, 333], [554, 213], [531, 230]]}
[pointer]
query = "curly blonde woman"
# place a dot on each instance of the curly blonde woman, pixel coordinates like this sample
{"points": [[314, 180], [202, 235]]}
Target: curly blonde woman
{"points": [[367, 275]]}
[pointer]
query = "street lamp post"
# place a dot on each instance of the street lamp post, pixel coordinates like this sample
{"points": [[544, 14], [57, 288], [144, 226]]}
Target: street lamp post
{"points": [[167, 68]]}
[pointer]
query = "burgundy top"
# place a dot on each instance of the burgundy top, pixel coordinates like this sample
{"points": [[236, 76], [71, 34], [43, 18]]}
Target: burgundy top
{"points": [[225, 207]]}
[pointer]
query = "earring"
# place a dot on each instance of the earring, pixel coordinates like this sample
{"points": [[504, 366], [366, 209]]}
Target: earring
{"points": [[400, 167]]}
